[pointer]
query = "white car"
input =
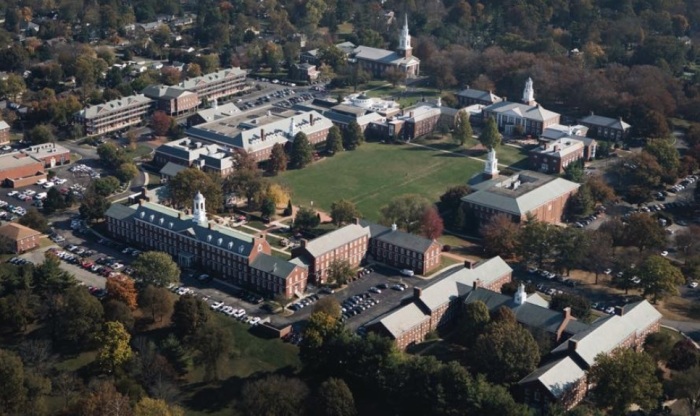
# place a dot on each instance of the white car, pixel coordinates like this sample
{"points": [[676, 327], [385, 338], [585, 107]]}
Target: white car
{"points": [[407, 272], [693, 285], [12, 193], [664, 253], [254, 321], [239, 313], [48, 185], [59, 181], [29, 192], [607, 271], [232, 312], [41, 182]]}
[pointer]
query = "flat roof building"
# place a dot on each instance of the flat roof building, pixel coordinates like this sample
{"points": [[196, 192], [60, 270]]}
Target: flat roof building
{"points": [[192, 153]]}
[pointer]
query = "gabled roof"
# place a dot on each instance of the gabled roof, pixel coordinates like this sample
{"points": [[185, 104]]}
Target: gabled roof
{"points": [[641, 315], [335, 239], [602, 121], [114, 105], [403, 319], [485, 272], [480, 95], [273, 265], [533, 190], [15, 232], [381, 55], [164, 91], [530, 112], [398, 238], [4, 125], [194, 83], [119, 211], [171, 169], [557, 377]]}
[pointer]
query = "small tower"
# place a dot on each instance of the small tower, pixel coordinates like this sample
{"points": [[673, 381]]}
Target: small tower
{"points": [[529, 93], [405, 48], [520, 296], [199, 209], [291, 128], [491, 165]]}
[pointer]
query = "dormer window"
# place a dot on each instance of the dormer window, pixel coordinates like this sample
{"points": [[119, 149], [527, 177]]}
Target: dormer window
{"points": [[240, 248], [209, 238], [230, 245], [142, 214], [160, 221], [170, 225], [151, 217], [219, 241]]}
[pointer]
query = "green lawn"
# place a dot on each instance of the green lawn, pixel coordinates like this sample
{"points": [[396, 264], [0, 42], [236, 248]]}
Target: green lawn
{"points": [[140, 151], [375, 173]]}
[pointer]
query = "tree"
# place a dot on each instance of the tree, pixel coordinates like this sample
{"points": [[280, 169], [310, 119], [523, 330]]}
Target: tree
{"points": [[290, 396], [93, 206], [393, 75], [328, 305], [122, 289], [156, 268], [600, 191], [451, 205], [353, 136], [41, 134], [160, 123], [268, 208], [278, 160], [105, 186], [54, 201], [12, 390], [111, 156], [476, 318], [78, 318], [463, 129], [334, 398], [507, 352], [666, 154], [189, 315], [686, 386], [117, 311], [611, 375], [580, 306], [302, 151], [17, 310], [500, 236], [153, 407], [659, 277], [574, 172], [306, 219], [127, 172], [490, 138], [600, 248], [183, 187], [343, 211], [334, 141], [659, 345], [339, 272], [431, 224], [114, 350], [406, 211], [683, 356], [570, 245], [104, 399], [214, 344], [35, 220], [176, 354]]}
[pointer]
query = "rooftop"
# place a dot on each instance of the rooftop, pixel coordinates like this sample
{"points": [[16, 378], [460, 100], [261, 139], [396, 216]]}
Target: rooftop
{"points": [[558, 376], [201, 81], [480, 95], [398, 238], [18, 159], [335, 239], [560, 148], [602, 121], [41, 151], [273, 265], [114, 105], [16, 232], [520, 110]]}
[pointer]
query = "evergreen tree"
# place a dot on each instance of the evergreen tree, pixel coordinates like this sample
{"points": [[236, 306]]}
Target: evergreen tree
{"points": [[490, 137], [353, 136], [302, 152], [334, 141], [278, 160], [463, 128]]}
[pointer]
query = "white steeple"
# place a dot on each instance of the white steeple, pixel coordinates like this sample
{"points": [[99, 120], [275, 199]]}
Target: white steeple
{"points": [[491, 165], [291, 128], [199, 210], [529, 93], [405, 40], [520, 296]]}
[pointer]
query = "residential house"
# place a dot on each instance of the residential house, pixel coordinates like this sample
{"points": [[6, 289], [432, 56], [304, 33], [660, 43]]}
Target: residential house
{"points": [[348, 243], [608, 128], [115, 115], [194, 242], [402, 250], [519, 195], [17, 238]]}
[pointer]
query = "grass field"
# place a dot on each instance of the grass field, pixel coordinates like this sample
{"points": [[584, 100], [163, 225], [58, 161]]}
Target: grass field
{"points": [[374, 174]]}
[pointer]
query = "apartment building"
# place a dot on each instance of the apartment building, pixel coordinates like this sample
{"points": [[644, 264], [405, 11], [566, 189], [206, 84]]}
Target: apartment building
{"points": [[174, 101], [115, 115], [223, 83], [402, 250], [348, 243], [196, 243]]}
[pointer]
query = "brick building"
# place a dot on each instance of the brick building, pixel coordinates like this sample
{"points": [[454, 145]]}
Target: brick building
{"points": [[435, 307], [223, 83], [562, 379], [174, 101], [4, 133], [555, 156], [191, 153], [115, 115], [17, 238], [256, 135], [347, 243], [523, 193], [402, 250], [18, 169], [194, 242], [470, 96], [600, 127], [50, 154]]}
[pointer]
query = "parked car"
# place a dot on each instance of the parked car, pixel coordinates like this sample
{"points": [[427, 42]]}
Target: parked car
{"points": [[407, 272]]}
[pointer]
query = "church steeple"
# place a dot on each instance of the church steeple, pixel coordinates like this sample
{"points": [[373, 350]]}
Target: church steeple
{"points": [[529, 93], [199, 212], [405, 48], [491, 165]]}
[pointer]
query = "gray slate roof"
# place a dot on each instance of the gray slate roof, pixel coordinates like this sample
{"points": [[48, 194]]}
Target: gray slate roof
{"points": [[115, 105], [557, 377], [496, 194], [273, 265], [171, 169], [530, 112], [403, 319], [119, 211], [481, 95], [602, 121], [164, 91], [397, 238], [335, 239]]}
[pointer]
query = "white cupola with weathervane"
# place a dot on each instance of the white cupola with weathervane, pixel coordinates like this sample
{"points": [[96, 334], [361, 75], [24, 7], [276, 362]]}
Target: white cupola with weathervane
{"points": [[529, 93], [199, 210], [491, 165], [405, 48], [520, 296]]}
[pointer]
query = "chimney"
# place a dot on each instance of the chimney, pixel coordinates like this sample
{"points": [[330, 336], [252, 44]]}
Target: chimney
{"points": [[564, 323], [572, 345], [393, 227], [567, 313], [410, 114], [304, 242], [619, 310], [417, 292], [311, 119], [262, 134], [179, 215], [356, 221], [468, 264], [477, 283], [209, 225]]}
